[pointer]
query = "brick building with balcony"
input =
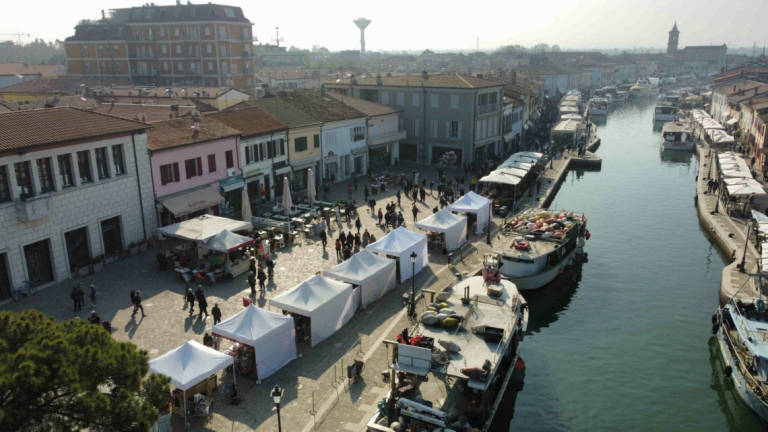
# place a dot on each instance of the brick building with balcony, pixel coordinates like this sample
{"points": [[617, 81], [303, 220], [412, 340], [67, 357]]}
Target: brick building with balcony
{"points": [[205, 45]]}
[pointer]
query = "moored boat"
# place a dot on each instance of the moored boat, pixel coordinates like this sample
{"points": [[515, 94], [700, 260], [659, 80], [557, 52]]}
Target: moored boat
{"points": [[598, 106], [664, 112], [538, 244], [741, 329], [677, 136]]}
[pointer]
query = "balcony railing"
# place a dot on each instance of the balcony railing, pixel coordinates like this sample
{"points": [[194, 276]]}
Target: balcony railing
{"points": [[35, 208], [483, 109], [386, 137]]}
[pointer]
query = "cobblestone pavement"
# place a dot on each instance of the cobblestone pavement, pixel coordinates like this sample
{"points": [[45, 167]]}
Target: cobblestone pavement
{"points": [[312, 380]]}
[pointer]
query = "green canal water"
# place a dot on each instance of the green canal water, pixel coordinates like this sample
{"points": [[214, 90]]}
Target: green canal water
{"points": [[623, 343]]}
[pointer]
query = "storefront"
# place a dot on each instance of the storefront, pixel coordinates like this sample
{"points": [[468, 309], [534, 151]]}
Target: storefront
{"points": [[258, 184], [300, 172], [5, 277], [358, 161], [232, 190], [190, 203], [39, 266], [380, 157], [331, 167], [112, 236], [78, 252], [447, 156], [281, 171]]}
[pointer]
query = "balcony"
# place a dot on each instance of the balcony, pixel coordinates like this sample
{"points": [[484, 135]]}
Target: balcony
{"points": [[386, 137], [34, 208], [484, 109]]}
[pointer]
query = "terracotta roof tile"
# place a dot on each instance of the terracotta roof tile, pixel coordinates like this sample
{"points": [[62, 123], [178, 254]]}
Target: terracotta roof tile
{"points": [[250, 121], [364, 106], [433, 81], [179, 132], [31, 69], [282, 110], [24, 130], [322, 108]]}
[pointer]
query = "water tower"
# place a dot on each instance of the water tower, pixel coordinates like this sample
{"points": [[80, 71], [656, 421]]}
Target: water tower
{"points": [[362, 23]]}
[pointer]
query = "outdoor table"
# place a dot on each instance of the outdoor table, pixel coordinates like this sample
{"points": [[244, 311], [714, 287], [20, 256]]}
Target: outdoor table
{"points": [[280, 217]]}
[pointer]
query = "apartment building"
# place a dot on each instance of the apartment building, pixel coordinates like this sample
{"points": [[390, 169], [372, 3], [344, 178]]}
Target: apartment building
{"points": [[206, 45], [441, 113]]}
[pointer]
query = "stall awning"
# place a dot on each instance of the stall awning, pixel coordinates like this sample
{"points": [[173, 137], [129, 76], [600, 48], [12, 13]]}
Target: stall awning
{"points": [[192, 201]]}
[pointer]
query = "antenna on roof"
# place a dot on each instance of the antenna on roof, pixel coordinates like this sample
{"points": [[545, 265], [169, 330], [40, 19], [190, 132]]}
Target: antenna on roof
{"points": [[277, 36]]}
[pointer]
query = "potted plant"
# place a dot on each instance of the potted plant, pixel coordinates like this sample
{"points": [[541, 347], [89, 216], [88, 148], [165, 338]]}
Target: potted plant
{"points": [[133, 248], [98, 263]]}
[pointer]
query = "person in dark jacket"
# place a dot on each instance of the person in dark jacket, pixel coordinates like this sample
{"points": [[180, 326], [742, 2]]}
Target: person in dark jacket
{"points": [[262, 278], [216, 312], [323, 238], [202, 303], [137, 304], [191, 300]]}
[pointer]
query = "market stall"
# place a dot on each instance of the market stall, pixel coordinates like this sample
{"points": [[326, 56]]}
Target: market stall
{"points": [[453, 228], [270, 336], [475, 204], [203, 227], [190, 368], [320, 306], [399, 244], [374, 274], [230, 251]]}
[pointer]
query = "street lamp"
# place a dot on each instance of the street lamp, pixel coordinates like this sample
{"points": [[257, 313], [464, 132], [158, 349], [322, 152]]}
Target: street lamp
{"points": [[277, 396], [412, 305]]}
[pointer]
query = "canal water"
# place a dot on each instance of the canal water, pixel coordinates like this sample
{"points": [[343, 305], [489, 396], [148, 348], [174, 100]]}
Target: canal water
{"points": [[623, 342]]}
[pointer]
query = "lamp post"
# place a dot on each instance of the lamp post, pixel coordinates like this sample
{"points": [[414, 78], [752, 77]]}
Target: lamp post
{"points": [[277, 396], [412, 305]]}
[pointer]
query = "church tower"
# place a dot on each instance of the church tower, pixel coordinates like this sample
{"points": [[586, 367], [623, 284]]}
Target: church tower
{"points": [[672, 41]]}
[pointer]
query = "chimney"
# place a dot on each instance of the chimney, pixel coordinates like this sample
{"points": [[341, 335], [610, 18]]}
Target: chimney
{"points": [[103, 16], [378, 79], [424, 75]]}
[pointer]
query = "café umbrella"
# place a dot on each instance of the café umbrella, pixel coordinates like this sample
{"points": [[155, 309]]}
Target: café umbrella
{"points": [[246, 206], [287, 201], [310, 186]]}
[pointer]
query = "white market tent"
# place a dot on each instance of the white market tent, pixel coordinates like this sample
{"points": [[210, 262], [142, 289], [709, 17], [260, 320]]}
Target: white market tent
{"points": [[400, 243], [188, 365], [374, 274], [501, 177], [204, 227], [272, 336], [762, 224], [226, 241], [749, 187], [454, 227], [764, 257], [328, 303], [699, 114], [516, 163], [473, 203], [530, 154], [708, 123], [719, 136]]}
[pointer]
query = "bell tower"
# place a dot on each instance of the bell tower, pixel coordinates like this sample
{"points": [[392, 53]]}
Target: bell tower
{"points": [[672, 41]]}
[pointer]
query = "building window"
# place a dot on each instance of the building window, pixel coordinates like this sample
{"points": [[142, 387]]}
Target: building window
{"points": [[164, 49], [165, 66], [384, 98], [300, 144], [416, 99], [102, 164], [492, 98], [400, 98], [179, 66], [484, 99], [193, 167], [65, 170], [208, 48], [84, 166], [117, 159], [357, 133], [45, 174], [211, 163], [176, 31], [210, 66], [230, 159], [434, 100], [416, 127], [5, 185], [162, 31], [24, 179], [316, 140], [178, 49], [207, 30], [433, 128], [169, 173], [453, 129], [454, 101]]}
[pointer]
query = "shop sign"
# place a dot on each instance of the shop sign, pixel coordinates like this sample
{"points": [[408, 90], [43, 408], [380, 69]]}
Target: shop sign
{"points": [[231, 180]]}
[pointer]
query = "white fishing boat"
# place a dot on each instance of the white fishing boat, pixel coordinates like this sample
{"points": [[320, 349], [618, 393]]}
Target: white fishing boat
{"points": [[458, 368], [598, 106], [538, 244], [642, 88], [664, 112], [677, 136], [741, 329]]}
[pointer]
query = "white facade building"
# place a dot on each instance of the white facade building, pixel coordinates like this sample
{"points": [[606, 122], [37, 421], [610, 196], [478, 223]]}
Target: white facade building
{"points": [[344, 149], [69, 194]]}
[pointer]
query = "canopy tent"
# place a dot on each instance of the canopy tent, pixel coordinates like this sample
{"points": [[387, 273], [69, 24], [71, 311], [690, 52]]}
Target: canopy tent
{"points": [[709, 123], [699, 114], [204, 227], [473, 203], [190, 201], [272, 336], [400, 243], [328, 303], [373, 273], [530, 154], [726, 156], [748, 188], [516, 163], [719, 136], [501, 177], [227, 241], [454, 227], [189, 364]]}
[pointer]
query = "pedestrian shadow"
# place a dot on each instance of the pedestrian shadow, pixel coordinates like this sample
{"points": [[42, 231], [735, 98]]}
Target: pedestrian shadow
{"points": [[131, 326]]}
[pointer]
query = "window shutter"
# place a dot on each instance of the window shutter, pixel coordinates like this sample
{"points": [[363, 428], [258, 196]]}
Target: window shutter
{"points": [[199, 166], [163, 175], [188, 166], [176, 175], [459, 134]]}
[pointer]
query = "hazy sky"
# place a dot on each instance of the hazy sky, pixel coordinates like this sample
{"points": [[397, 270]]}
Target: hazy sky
{"points": [[445, 25]]}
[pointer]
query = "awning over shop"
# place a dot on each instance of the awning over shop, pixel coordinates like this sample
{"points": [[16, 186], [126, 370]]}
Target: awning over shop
{"points": [[204, 227], [283, 170], [192, 201], [227, 241]]}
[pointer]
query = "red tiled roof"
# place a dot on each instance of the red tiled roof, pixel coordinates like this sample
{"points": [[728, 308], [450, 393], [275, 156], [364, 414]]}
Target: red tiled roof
{"points": [[250, 121], [179, 132], [29, 69], [24, 130], [364, 106]]}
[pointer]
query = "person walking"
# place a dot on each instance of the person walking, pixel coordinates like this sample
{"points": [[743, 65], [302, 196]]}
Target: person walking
{"points": [[202, 304], [92, 294], [191, 301], [381, 216], [415, 212], [358, 225], [216, 312], [270, 266], [252, 283], [422, 193], [262, 279], [324, 238], [338, 249], [73, 295], [365, 192], [398, 198], [349, 192], [137, 304]]}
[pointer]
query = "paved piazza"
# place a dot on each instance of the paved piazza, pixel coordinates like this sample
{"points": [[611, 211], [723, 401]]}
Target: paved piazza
{"points": [[312, 380]]}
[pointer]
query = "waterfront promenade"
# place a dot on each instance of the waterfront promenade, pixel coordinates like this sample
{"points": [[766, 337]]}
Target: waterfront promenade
{"points": [[727, 232]]}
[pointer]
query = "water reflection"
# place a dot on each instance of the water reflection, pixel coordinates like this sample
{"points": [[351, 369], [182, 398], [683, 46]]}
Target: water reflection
{"points": [[679, 157], [549, 301]]}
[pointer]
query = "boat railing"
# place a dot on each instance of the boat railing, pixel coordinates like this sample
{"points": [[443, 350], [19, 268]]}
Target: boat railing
{"points": [[748, 377]]}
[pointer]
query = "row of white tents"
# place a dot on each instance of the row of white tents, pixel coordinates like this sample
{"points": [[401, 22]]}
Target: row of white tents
{"points": [[736, 176], [513, 170], [714, 130]]}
